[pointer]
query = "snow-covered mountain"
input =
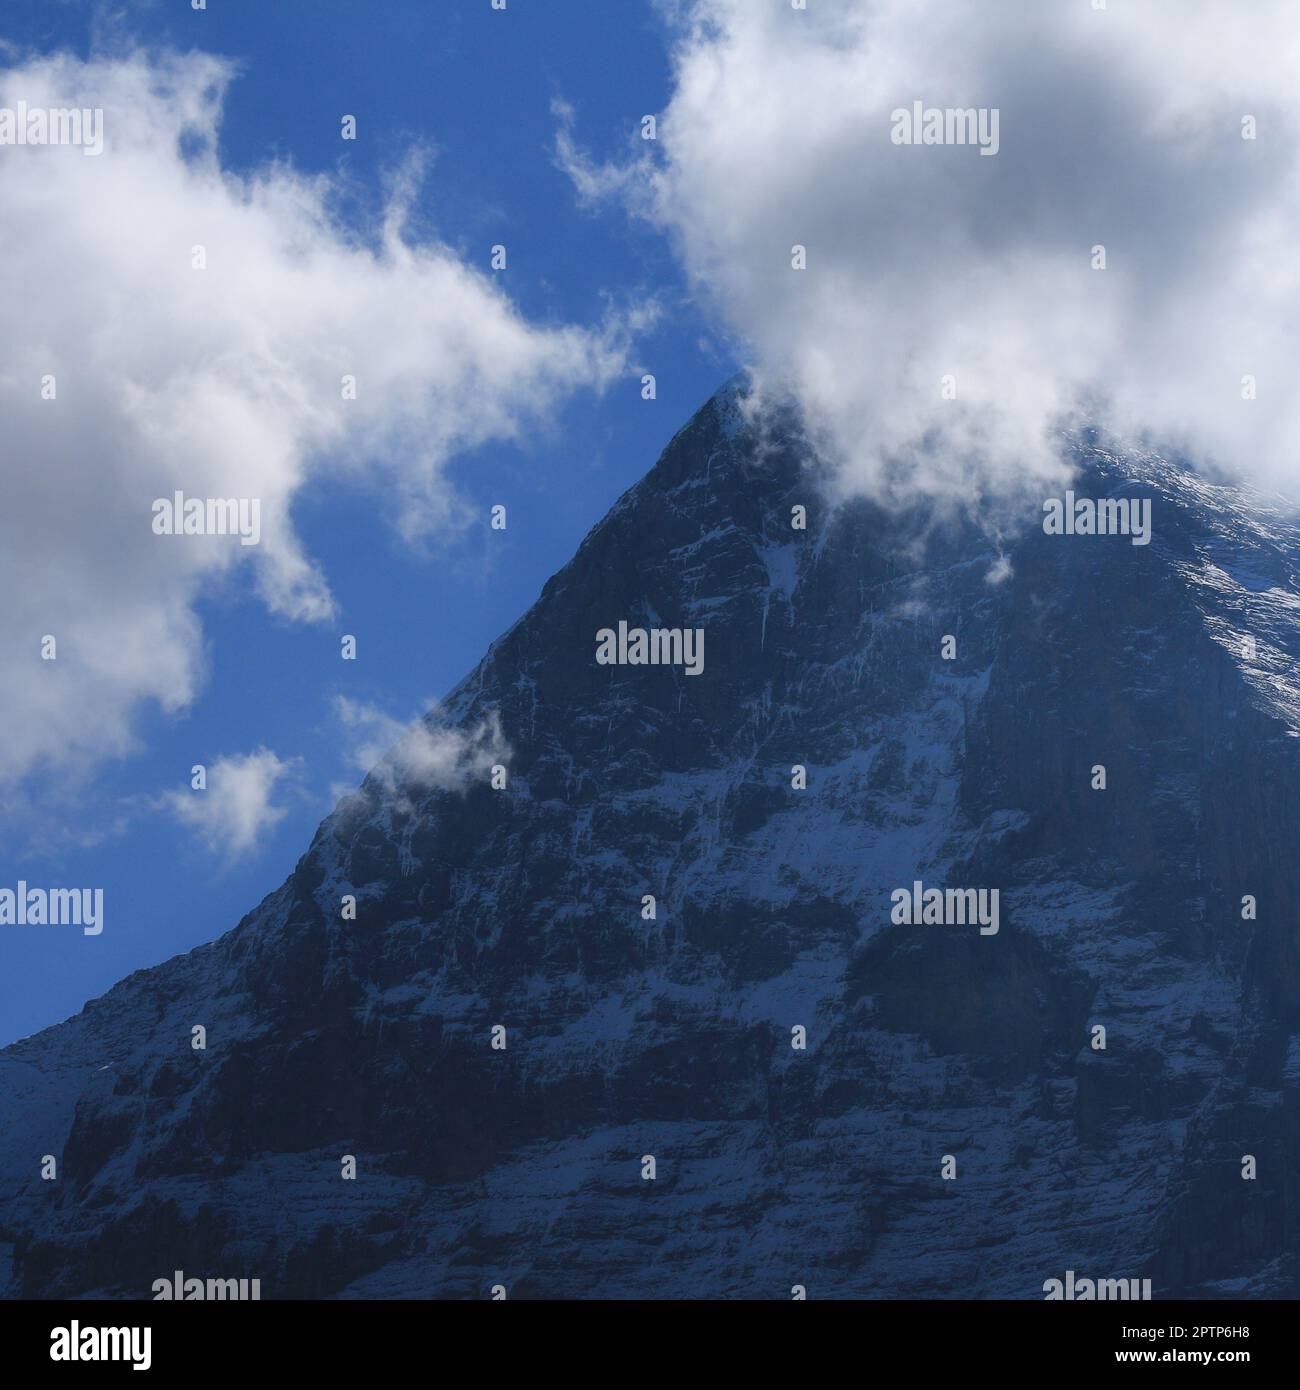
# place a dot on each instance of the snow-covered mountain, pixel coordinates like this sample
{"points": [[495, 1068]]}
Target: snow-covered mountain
{"points": [[523, 907]]}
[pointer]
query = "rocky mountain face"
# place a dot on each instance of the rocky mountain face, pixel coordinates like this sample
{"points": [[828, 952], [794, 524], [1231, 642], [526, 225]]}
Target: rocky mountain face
{"points": [[930, 1048]]}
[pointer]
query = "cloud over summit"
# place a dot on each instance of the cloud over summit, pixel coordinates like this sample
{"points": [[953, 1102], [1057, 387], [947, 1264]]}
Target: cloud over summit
{"points": [[1120, 128]]}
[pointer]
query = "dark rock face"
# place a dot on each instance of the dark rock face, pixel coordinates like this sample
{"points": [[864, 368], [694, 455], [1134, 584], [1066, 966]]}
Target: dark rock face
{"points": [[671, 1037]]}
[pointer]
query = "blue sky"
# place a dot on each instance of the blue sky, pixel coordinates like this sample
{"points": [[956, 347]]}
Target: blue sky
{"points": [[478, 86]]}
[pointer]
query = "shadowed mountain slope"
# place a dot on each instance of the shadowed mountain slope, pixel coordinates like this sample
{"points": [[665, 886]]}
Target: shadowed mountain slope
{"points": [[672, 1037]]}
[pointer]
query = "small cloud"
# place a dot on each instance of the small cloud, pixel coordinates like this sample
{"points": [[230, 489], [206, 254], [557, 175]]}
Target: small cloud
{"points": [[236, 808], [999, 571], [420, 756]]}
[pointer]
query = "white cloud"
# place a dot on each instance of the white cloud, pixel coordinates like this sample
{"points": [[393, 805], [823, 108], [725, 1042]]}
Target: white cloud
{"points": [[1120, 127], [410, 758], [222, 382], [236, 808]]}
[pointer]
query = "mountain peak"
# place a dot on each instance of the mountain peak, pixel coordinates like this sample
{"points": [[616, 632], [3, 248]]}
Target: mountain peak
{"points": [[673, 929]]}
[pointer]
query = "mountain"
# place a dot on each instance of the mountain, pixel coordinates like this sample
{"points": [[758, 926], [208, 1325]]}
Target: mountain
{"points": [[927, 1045]]}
